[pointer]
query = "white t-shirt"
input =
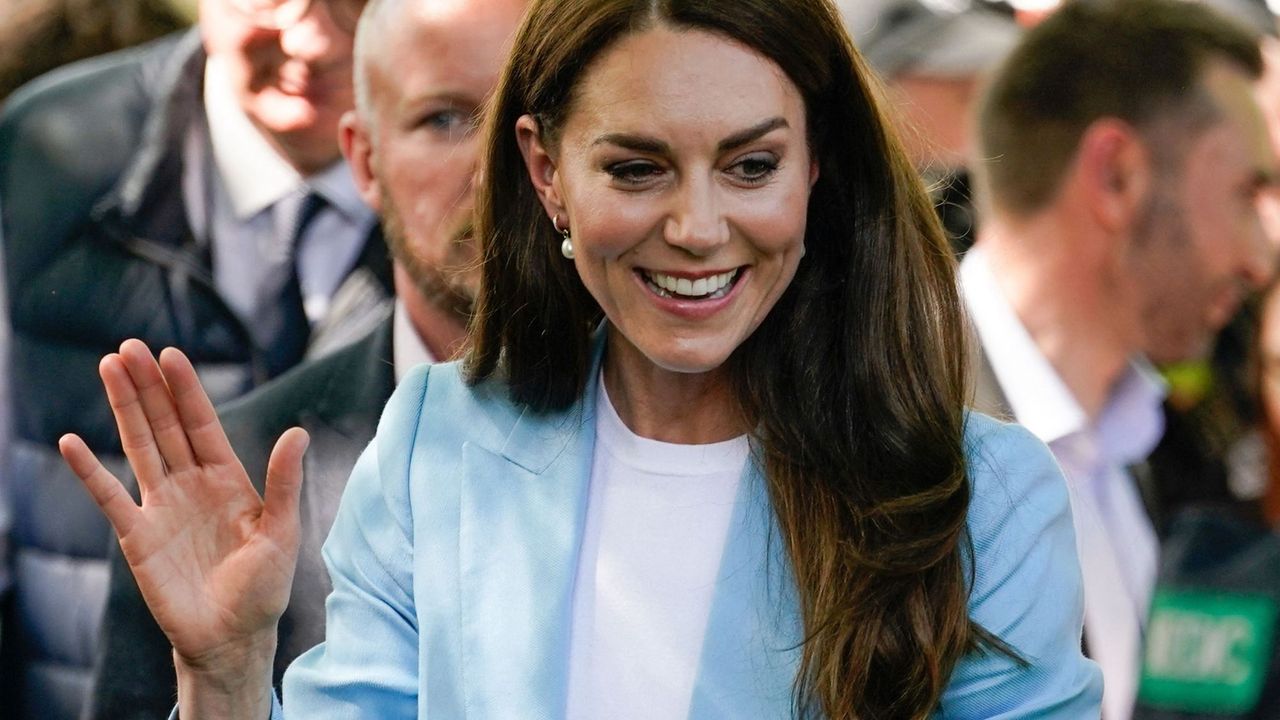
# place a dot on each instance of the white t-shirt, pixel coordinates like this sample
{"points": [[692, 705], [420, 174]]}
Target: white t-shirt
{"points": [[657, 518]]}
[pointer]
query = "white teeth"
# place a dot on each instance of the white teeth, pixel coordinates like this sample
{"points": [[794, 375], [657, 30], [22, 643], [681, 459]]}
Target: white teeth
{"points": [[702, 287]]}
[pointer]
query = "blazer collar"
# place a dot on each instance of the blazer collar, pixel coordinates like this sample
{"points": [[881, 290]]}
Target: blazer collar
{"points": [[521, 513], [523, 508], [537, 439], [751, 651]]}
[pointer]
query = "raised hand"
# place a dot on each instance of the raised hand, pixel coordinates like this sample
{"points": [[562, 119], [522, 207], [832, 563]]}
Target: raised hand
{"points": [[213, 560]]}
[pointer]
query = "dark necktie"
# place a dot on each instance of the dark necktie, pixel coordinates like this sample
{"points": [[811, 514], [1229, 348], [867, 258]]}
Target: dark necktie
{"points": [[285, 326]]}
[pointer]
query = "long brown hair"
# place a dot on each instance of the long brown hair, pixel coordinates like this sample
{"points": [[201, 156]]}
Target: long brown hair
{"points": [[859, 422]]}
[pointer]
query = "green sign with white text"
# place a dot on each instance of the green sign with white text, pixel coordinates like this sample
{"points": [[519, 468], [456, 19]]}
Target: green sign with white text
{"points": [[1207, 651]]}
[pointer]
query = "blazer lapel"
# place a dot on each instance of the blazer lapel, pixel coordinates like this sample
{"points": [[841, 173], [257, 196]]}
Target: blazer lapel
{"points": [[752, 648], [522, 509]]}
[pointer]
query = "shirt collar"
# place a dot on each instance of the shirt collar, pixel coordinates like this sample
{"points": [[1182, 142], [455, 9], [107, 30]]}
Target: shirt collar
{"points": [[407, 348], [1130, 423], [253, 172], [338, 187]]}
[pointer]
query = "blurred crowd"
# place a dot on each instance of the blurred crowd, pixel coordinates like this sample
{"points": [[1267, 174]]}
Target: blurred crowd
{"points": [[285, 194]]}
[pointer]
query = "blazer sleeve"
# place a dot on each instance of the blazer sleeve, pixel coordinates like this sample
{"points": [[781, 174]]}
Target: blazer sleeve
{"points": [[1026, 588], [368, 665]]}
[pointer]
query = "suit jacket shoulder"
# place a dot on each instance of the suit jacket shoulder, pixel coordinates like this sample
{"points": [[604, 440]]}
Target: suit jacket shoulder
{"points": [[345, 391]]}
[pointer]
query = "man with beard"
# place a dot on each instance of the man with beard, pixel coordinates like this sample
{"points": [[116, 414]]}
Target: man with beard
{"points": [[423, 71], [1120, 162]]}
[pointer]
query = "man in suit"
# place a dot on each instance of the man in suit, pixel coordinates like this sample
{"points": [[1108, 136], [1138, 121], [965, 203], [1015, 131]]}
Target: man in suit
{"points": [[190, 193], [1121, 155], [423, 71]]}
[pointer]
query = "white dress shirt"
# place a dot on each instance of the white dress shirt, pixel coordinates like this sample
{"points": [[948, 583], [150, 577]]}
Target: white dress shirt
{"points": [[407, 348], [1116, 541], [247, 200]]}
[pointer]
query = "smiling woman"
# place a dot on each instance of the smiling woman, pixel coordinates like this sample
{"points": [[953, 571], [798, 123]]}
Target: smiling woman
{"points": [[709, 455], [681, 141], [663, 198]]}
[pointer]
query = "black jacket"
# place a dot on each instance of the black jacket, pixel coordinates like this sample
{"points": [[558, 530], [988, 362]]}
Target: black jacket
{"points": [[98, 249], [337, 400]]}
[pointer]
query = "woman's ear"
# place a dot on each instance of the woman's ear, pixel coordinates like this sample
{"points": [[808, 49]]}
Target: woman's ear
{"points": [[540, 164], [357, 147]]}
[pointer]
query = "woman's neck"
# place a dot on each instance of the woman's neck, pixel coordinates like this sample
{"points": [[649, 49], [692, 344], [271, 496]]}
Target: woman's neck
{"points": [[674, 407]]}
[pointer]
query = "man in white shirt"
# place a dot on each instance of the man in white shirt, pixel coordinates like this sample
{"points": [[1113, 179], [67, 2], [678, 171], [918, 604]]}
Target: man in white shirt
{"points": [[423, 70], [190, 193], [1120, 158]]}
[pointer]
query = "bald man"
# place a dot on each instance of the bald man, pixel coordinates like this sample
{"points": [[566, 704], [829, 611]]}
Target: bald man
{"points": [[423, 70]]}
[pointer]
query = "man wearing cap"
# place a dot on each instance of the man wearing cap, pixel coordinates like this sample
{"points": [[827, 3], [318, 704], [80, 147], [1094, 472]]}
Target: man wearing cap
{"points": [[1119, 161], [190, 193]]}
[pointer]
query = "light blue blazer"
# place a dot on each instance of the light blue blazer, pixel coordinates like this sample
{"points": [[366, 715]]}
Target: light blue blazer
{"points": [[454, 552]]}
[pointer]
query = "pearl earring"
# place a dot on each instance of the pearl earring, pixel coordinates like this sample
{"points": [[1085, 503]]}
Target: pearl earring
{"points": [[566, 246]]}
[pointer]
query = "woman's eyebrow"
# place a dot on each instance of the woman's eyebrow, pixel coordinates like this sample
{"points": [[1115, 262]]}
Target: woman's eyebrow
{"points": [[653, 146], [755, 132], [634, 142]]}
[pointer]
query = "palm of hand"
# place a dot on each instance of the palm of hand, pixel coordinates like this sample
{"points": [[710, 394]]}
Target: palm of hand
{"points": [[213, 561], [206, 571]]}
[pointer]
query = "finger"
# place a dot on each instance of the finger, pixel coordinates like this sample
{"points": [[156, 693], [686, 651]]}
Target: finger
{"points": [[284, 486], [135, 432], [158, 405], [203, 429], [107, 491]]}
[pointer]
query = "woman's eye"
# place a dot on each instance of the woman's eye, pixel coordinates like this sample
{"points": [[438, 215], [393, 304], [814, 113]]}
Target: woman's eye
{"points": [[754, 168], [634, 172]]}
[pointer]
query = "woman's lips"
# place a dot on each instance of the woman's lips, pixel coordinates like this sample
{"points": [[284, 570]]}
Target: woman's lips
{"points": [[691, 286], [692, 296]]}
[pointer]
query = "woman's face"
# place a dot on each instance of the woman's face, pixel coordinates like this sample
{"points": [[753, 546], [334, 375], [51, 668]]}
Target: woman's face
{"points": [[683, 172]]}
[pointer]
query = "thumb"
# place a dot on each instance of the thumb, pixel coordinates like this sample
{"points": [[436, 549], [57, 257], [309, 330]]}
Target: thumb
{"points": [[284, 483]]}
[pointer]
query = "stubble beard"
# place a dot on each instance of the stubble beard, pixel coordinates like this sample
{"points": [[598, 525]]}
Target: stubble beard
{"points": [[444, 287], [1172, 294]]}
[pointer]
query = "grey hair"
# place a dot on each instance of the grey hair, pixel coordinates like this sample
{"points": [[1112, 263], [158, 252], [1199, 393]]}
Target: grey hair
{"points": [[368, 30]]}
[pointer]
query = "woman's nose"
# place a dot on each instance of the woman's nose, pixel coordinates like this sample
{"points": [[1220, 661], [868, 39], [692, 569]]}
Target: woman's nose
{"points": [[696, 223]]}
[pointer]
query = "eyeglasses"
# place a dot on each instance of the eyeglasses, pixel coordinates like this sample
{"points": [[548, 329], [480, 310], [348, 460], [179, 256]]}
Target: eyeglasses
{"points": [[282, 14]]}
